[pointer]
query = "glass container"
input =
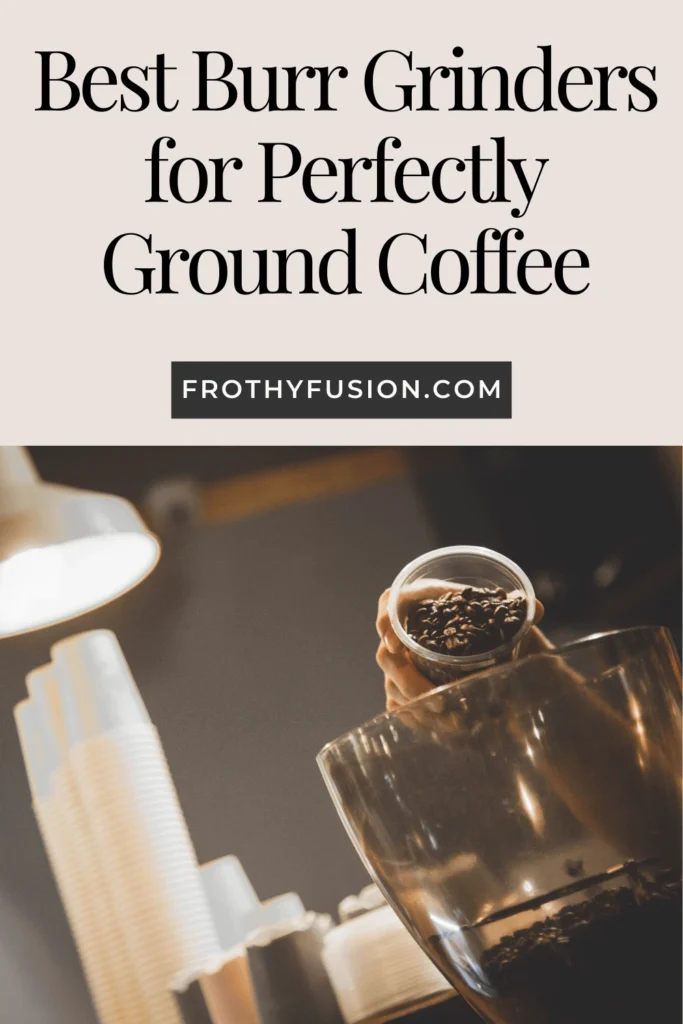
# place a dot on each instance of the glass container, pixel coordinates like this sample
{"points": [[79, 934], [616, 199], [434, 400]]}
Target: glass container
{"points": [[526, 827]]}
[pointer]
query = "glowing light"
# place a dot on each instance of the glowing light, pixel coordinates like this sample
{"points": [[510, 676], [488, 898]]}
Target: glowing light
{"points": [[531, 805], [636, 713], [63, 551], [40, 586]]}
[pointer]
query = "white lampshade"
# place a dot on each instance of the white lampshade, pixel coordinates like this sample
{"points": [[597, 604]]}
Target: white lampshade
{"points": [[63, 551]]}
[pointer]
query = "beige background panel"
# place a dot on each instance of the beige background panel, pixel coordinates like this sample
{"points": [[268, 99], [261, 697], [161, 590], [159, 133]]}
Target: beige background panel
{"points": [[81, 363]]}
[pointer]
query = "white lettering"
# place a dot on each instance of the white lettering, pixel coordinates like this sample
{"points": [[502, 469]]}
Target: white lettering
{"points": [[392, 384], [467, 384]]}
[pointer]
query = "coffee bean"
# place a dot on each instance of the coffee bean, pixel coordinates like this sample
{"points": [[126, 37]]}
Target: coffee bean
{"points": [[476, 611], [474, 621]]}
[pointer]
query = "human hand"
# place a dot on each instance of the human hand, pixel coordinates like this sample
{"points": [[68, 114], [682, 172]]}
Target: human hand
{"points": [[403, 682]]}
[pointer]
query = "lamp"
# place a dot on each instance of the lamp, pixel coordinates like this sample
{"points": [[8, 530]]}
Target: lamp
{"points": [[63, 551]]}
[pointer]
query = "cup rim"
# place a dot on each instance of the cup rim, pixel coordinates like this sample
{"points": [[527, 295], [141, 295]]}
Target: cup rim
{"points": [[552, 652], [451, 660]]}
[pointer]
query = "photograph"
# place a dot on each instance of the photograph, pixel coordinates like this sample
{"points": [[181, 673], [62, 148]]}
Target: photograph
{"points": [[340, 734]]}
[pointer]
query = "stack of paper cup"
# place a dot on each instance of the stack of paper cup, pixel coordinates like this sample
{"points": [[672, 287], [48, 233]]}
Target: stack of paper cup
{"points": [[222, 996], [237, 913], [376, 966], [235, 907], [109, 974], [114, 832], [291, 984], [280, 910], [232, 900], [369, 898], [192, 1005], [139, 831]]}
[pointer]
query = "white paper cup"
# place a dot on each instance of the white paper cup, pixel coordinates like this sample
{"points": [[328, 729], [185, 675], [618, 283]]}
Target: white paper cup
{"points": [[149, 859], [232, 900], [225, 996], [97, 902], [281, 909], [375, 965], [138, 828], [229, 993], [112, 985], [289, 978], [96, 687]]}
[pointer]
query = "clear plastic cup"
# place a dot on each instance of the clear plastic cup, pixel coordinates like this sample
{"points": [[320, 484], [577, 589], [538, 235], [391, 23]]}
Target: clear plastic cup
{"points": [[454, 568]]}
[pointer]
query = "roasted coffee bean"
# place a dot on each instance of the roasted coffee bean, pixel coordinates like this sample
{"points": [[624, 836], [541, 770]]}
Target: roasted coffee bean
{"points": [[473, 621], [570, 966]]}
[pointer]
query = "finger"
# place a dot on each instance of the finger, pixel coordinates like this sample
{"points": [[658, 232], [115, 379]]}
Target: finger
{"points": [[400, 669], [382, 613], [393, 694], [392, 665], [397, 703], [410, 714], [392, 642], [539, 612], [535, 642], [413, 593], [383, 624], [428, 712]]}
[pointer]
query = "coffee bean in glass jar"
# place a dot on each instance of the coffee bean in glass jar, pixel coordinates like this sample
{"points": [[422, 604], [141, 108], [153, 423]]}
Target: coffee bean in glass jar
{"points": [[471, 621]]}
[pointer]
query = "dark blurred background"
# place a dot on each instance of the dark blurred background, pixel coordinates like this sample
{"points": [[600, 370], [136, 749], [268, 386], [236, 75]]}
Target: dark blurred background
{"points": [[253, 641], [597, 529]]}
